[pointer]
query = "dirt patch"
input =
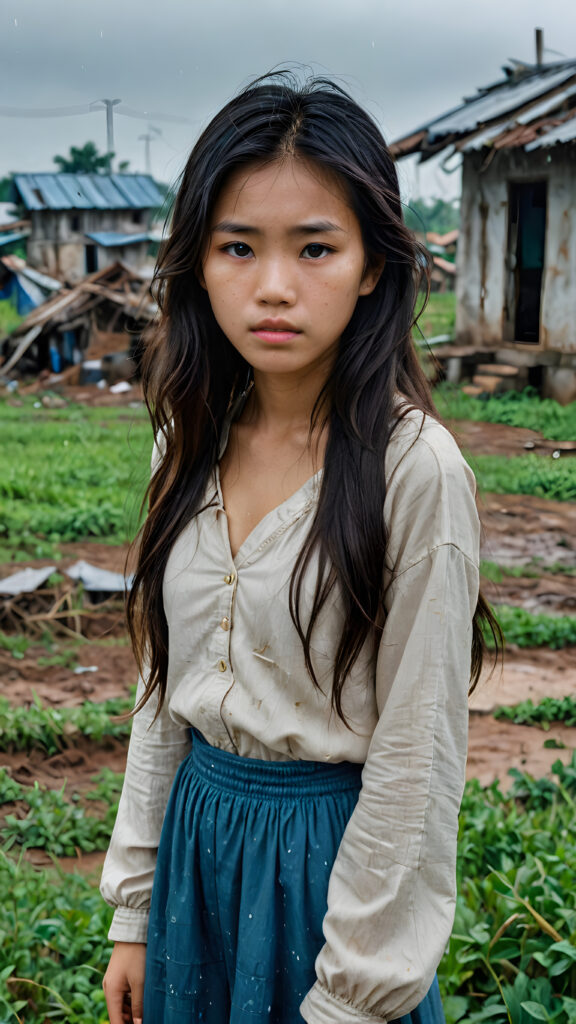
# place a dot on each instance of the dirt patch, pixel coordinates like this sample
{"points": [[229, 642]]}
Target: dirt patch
{"points": [[529, 673], [493, 438], [521, 528], [73, 767], [495, 747], [56, 685], [551, 594]]}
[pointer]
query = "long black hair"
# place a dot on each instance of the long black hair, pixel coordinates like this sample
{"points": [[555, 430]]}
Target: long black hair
{"points": [[192, 373]]}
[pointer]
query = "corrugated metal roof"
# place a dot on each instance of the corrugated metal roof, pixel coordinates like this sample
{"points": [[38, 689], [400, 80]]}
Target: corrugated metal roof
{"points": [[484, 108], [14, 236], [108, 239], [88, 191], [522, 110], [548, 106]]}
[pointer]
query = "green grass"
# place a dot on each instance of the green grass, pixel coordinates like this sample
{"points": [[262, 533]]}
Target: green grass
{"points": [[532, 569], [70, 474], [10, 319], [525, 474], [439, 317], [514, 408]]}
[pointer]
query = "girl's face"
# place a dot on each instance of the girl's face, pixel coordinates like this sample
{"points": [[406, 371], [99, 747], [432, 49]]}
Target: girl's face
{"points": [[285, 265]]}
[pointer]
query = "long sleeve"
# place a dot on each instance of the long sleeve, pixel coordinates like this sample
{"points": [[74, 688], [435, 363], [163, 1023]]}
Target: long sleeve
{"points": [[154, 754], [392, 889]]}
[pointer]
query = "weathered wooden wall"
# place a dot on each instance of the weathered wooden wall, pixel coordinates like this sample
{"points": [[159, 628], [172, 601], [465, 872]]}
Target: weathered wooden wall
{"points": [[482, 251]]}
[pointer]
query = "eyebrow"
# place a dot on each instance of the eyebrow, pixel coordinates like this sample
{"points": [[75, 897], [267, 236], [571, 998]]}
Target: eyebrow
{"points": [[318, 227]]}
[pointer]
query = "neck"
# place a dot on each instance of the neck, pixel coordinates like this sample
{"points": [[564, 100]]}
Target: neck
{"points": [[284, 402]]}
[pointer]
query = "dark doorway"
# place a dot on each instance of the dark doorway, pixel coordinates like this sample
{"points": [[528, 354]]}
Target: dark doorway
{"points": [[526, 242], [91, 259]]}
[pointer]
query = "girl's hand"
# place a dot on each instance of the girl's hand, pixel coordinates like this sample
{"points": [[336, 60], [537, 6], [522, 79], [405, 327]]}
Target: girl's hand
{"points": [[124, 983]]}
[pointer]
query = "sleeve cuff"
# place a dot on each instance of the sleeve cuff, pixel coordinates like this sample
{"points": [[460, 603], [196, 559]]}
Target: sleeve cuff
{"points": [[321, 1007], [129, 925]]}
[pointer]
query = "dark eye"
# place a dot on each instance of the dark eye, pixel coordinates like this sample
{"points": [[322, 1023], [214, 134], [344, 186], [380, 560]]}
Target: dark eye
{"points": [[239, 249], [315, 250]]}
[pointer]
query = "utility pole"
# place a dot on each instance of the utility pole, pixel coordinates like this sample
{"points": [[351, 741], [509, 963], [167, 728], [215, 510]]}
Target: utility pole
{"points": [[147, 139], [109, 104]]}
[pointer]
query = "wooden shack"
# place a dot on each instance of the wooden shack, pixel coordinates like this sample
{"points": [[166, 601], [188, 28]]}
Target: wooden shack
{"points": [[82, 223], [516, 260]]}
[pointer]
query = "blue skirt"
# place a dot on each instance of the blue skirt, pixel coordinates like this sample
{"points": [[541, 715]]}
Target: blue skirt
{"points": [[240, 889]]}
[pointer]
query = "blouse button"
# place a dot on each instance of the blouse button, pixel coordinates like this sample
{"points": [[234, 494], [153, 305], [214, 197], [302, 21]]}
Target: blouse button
{"points": [[225, 624], [222, 666], [229, 578]]}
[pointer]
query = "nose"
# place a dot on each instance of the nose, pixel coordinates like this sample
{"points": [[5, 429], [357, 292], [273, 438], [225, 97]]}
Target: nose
{"points": [[275, 285]]}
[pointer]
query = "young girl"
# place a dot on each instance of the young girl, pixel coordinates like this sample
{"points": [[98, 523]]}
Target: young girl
{"points": [[305, 605]]}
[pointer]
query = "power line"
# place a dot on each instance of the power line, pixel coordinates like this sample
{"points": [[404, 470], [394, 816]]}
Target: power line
{"points": [[89, 108]]}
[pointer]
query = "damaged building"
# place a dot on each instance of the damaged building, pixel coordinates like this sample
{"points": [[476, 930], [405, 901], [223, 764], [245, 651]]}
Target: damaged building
{"points": [[82, 223], [516, 260], [101, 318]]}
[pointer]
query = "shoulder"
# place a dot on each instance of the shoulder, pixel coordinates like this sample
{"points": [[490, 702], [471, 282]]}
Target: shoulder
{"points": [[431, 489], [421, 442]]}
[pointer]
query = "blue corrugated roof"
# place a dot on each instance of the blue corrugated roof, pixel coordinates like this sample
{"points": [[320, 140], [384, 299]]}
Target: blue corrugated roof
{"points": [[88, 191], [112, 238], [14, 236]]}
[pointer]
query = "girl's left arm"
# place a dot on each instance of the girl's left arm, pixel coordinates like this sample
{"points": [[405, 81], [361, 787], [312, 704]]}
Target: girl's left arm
{"points": [[392, 890]]}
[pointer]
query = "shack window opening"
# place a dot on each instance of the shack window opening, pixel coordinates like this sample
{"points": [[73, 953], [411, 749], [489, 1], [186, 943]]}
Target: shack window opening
{"points": [[91, 259], [526, 246]]}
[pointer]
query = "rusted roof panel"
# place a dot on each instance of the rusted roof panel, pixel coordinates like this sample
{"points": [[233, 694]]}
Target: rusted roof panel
{"points": [[565, 132]]}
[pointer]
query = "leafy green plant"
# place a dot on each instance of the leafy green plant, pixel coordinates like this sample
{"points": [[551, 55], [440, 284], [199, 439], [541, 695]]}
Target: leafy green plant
{"points": [[53, 946], [512, 955], [531, 629], [56, 824], [548, 710], [16, 644], [525, 474], [51, 729], [515, 408]]}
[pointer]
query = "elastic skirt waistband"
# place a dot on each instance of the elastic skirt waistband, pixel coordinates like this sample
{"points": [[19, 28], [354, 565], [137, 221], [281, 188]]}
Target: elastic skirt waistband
{"points": [[270, 780]]}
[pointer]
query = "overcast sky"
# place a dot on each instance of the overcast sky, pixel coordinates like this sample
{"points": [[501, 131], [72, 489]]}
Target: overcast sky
{"points": [[407, 61]]}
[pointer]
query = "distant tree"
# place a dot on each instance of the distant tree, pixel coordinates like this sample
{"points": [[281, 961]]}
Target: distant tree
{"points": [[433, 215], [6, 188], [84, 160], [124, 167]]}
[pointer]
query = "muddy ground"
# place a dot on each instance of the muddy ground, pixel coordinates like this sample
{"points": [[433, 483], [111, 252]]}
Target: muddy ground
{"points": [[517, 529]]}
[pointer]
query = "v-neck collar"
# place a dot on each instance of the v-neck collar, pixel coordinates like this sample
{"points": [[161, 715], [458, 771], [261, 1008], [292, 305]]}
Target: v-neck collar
{"points": [[277, 519]]}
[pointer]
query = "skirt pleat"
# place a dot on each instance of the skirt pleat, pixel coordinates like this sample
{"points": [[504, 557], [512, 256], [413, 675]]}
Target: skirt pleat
{"points": [[241, 886]]}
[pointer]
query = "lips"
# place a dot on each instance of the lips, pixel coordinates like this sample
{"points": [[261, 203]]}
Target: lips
{"points": [[275, 332]]}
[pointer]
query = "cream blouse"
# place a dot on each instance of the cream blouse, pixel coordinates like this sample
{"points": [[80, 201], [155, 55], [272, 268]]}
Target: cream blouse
{"points": [[237, 673]]}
